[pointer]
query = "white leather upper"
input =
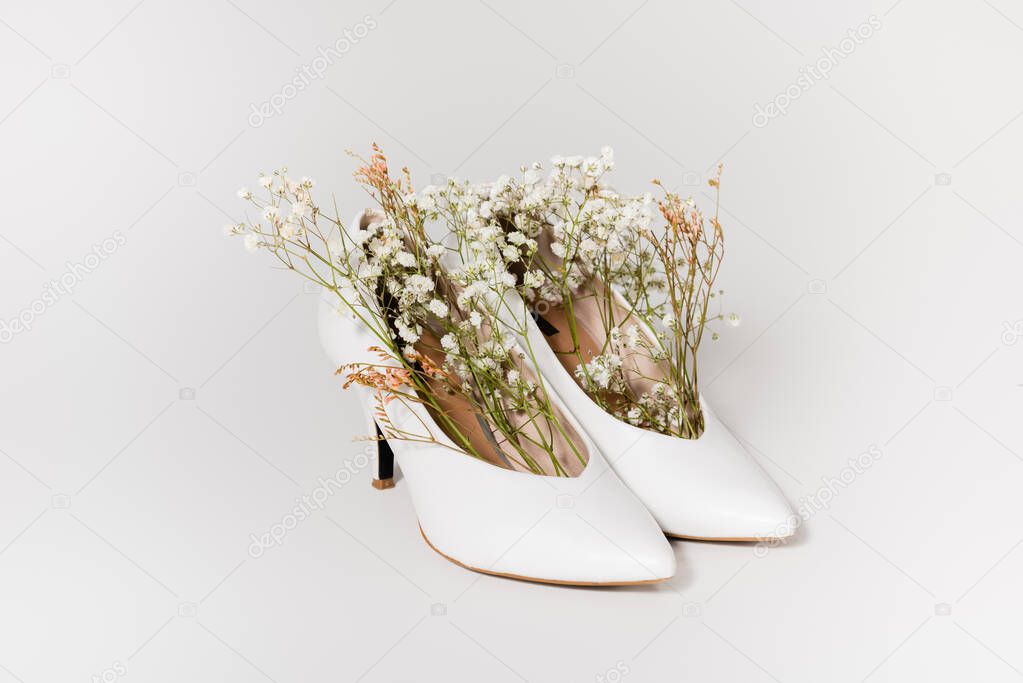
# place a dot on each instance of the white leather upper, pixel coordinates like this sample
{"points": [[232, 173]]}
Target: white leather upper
{"points": [[706, 488], [589, 528]]}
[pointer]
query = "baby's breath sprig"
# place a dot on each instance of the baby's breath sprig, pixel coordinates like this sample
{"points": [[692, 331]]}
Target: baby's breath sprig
{"points": [[438, 341], [575, 246]]}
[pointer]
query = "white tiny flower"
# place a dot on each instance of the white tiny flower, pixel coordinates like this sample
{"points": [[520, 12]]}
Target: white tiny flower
{"points": [[438, 308], [266, 181], [406, 259], [559, 249], [406, 332], [301, 210], [243, 193], [449, 343], [368, 271], [475, 319], [631, 337], [253, 242], [510, 253], [419, 284], [290, 230], [270, 212], [435, 250], [533, 279], [513, 377]]}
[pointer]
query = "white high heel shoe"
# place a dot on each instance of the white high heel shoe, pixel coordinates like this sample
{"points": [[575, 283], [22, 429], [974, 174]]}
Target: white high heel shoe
{"points": [[587, 529], [708, 488]]}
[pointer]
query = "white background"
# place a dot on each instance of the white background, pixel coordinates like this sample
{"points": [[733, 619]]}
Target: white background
{"points": [[879, 300]]}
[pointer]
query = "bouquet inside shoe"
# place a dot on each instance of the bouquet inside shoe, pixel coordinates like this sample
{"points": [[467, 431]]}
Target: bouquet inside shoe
{"points": [[623, 298], [437, 340], [449, 279]]}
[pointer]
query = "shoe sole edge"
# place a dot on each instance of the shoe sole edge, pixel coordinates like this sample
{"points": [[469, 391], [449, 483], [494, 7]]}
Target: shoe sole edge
{"points": [[533, 579], [727, 539]]}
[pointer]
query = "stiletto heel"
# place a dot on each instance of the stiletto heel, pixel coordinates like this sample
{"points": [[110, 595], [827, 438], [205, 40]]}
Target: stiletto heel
{"points": [[385, 464]]}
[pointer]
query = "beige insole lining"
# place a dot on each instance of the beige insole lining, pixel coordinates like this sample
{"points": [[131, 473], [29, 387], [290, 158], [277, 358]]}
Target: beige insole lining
{"points": [[491, 443]]}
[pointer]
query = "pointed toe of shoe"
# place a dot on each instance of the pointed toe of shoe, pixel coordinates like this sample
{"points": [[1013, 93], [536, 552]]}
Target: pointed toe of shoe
{"points": [[569, 548], [656, 563], [736, 501], [746, 505], [707, 488], [589, 531], [757, 511]]}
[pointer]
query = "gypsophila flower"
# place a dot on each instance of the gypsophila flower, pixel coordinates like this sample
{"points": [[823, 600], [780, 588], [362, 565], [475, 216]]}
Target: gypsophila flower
{"points": [[552, 237], [449, 343], [533, 279], [632, 337], [570, 235], [290, 230], [602, 371], [410, 333], [419, 285], [438, 308]]}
